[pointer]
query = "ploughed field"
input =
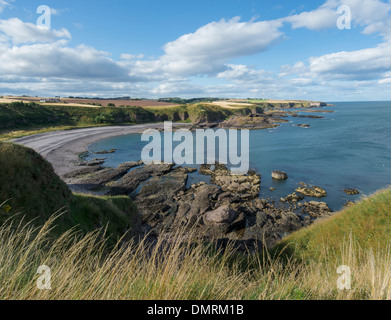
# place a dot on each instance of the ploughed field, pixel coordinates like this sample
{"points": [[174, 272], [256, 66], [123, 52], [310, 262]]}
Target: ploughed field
{"points": [[93, 102]]}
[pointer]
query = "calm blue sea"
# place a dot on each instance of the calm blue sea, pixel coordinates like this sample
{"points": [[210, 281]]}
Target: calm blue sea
{"points": [[350, 148]]}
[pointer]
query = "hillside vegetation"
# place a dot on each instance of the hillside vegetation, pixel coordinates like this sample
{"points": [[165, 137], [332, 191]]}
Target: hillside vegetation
{"points": [[367, 223], [31, 189], [82, 268], [18, 119]]}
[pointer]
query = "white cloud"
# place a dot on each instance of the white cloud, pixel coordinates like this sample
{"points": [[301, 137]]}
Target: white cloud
{"points": [[21, 32], [373, 14], [58, 60], [385, 81], [298, 68], [208, 49], [362, 64], [245, 74], [359, 65], [322, 18], [3, 5]]}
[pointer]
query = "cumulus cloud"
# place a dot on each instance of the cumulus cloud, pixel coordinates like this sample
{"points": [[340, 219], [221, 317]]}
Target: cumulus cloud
{"points": [[371, 64], [324, 17], [362, 64], [58, 60], [373, 14], [207, 50], [21, 32]]}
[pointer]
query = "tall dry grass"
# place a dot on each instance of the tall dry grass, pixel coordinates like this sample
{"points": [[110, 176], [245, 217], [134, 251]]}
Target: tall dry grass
{"points": [[84, 268]]}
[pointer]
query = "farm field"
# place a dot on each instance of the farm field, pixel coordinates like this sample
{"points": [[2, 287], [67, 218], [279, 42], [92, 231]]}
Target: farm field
{"points": [[91, 102]]}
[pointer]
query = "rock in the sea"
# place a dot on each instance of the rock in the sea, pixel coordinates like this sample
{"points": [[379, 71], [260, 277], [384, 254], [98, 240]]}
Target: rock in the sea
{"points": [[293, 198], [279, 175], [106, 151], [246, 186], [315, 192], [316, 209], [351, 192]]}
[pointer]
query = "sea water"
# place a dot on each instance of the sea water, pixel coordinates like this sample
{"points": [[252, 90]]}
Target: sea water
{"points": [[350, 148]]}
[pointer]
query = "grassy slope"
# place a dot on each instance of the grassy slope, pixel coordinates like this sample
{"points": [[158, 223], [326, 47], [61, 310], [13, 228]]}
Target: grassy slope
{"points": [[82, 269], [30, 187], [20, 119], [368, 223], [19, 115]]}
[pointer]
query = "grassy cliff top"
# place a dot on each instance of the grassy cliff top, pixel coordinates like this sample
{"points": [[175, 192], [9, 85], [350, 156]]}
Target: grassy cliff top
{"points": [[31, 190], [366, 224]]}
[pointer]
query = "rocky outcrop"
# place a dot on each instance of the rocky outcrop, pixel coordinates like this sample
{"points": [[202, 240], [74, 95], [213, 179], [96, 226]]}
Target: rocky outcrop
{"points": [[258, 119], [351, 192], [228, 208], [307, 116], [92, 162], [156, 198], [292, 198], [279, 175], [244, 186], [83, 172], [106, 151], [316, 209], [312, 191], [130, 182], [306, 126], [97, 177]]}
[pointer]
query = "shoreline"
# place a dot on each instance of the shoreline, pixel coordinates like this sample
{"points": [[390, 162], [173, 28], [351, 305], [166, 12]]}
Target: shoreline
{"points": [[62, 148]]}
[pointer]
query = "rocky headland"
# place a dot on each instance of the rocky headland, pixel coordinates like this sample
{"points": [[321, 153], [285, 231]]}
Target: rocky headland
{"points": [[228, 207]]}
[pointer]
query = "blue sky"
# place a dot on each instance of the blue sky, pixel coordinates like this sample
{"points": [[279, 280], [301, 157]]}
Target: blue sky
{"points": [[222, 48]]}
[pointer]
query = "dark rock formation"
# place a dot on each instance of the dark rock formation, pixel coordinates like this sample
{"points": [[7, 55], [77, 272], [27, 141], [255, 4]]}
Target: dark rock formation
{"points": [[292, 198], [351, 192], [302, 125], [134, 178], [279, 175], [316, 209], [315, 192], [106, 151], [227, 209]]}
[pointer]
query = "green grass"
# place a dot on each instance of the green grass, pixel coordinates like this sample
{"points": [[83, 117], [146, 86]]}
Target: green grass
{"points": [[20, 119], [31, 189], [368, 223], [24, 116], [84, 268]]}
